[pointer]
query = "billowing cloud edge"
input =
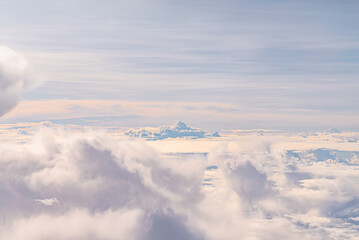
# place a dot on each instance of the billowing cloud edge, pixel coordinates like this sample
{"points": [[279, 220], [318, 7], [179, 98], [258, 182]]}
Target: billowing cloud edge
{"points": [[16, 74], [92, 186]]}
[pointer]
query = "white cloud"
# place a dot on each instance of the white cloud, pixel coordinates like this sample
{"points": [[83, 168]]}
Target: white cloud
{"points": [[76, 224], [88, 185], [48, 201], [177, 130], [94, 173], [14, 76]]}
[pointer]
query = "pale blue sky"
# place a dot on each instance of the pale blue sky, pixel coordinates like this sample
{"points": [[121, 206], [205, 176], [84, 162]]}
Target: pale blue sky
{"points": [[287, 58]]}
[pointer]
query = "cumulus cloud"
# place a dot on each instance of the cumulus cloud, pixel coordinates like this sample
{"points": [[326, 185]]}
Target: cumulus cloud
{"points": [[89, 179], [289, 198], [15, 75], [76, 224], [92, 186], [177, 130]]}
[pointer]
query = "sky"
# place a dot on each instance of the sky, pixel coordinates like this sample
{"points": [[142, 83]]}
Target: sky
{"points": [[217, 64], [181, 120]]}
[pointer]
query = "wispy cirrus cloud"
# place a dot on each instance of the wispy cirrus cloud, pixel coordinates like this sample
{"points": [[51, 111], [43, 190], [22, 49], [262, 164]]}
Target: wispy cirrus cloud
{"points": [[211, 115], [259, 54]]}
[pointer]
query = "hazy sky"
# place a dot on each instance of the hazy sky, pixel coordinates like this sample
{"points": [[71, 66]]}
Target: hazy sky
{"points": [[95, 68], [253, 64]]}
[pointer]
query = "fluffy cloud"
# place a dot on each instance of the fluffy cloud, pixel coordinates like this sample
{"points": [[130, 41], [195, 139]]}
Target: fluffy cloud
{"points": [[14, 77], [91, 180], [276, 196], [92, 186], [177, 130]]}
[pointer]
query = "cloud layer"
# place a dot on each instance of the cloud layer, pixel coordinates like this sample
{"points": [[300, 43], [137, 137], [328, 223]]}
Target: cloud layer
{"points": [[14, 77], [177, 130], [92, 186]]}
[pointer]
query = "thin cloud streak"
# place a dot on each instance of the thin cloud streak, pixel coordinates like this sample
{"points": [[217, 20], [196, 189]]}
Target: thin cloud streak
{"points": [[211, 115], [233, 52]]}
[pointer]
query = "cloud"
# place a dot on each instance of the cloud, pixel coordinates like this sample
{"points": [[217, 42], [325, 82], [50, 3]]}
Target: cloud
{"points": [[90, 180], [70, 185], [210, 115], [177, 130], [15, 75], [48, 201], [248, 182], [76, 224]]}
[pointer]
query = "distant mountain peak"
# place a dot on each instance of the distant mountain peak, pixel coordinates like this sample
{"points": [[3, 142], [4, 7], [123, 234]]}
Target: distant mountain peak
{"points": [[181, 126]]}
